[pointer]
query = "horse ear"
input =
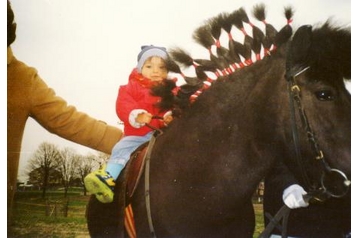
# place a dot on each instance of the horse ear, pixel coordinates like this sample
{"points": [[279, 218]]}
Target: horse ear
{"points": [[297, 56]]}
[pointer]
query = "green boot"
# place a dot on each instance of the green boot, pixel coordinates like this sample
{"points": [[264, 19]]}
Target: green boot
{"points": [[101, 184]]}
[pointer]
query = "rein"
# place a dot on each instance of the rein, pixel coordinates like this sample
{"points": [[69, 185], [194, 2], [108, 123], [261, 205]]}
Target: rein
{"points": [[157, 132]]}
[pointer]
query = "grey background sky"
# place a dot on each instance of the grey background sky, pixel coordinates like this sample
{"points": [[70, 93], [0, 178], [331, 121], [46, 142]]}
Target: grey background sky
{"points": [[85, 49]]}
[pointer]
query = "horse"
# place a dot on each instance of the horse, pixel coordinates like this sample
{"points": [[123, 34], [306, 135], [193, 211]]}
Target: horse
{"points": [[275, 97]]}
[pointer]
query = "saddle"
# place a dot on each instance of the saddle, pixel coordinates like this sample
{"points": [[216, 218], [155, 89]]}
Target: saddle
{"points": [[134, 169], [127, 185]]}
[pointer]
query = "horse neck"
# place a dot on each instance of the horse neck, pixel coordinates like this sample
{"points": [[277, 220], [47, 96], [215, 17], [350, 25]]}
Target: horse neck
{"points": [[260, 92], [251, 105]]}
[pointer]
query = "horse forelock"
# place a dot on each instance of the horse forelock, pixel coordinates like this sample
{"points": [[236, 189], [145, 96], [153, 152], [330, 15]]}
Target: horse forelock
{"points": [[330, 49], [326, 49]]}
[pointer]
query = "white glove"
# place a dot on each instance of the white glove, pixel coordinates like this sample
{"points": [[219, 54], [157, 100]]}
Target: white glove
{"points": [[293, 196]]}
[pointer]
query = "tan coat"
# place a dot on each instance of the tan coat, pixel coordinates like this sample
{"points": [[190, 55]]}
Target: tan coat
{"points": [[29, 96]]}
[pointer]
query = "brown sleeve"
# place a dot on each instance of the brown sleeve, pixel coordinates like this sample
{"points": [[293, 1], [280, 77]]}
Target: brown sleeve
{"points": [[54, 114]]}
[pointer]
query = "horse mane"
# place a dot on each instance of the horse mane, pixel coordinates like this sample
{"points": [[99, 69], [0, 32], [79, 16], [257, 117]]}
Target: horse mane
{"points": [[327, 48], [223, 61]]}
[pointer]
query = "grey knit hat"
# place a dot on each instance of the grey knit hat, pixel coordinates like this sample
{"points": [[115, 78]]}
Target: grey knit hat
{"points": [[149, 51]]}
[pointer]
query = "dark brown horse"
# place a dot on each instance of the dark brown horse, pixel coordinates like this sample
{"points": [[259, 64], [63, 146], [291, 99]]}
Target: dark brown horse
{"points": [[289, 106]]}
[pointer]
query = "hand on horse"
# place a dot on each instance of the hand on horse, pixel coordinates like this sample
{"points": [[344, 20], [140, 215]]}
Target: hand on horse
{"points": [[167, 118], [293, 196]]}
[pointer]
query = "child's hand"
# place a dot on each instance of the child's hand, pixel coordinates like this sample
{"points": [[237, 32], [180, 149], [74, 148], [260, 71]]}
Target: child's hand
{"points": [[144, 118], [167, 118]]}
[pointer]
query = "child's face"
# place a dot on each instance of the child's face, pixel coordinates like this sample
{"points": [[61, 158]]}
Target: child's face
{"points": [[154, 68]]}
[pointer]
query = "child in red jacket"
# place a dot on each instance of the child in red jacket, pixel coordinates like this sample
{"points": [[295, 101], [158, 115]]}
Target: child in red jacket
{"points": [[135, 106]]}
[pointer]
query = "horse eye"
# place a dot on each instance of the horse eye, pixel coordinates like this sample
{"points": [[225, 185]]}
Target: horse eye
{"points": [[325, 95]]}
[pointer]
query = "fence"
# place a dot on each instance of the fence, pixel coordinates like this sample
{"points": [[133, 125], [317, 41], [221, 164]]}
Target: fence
{"points": [[56, 208], [51, 209]]}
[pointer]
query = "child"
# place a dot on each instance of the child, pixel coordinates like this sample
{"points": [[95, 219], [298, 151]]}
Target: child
{"points": [[135, 106]]}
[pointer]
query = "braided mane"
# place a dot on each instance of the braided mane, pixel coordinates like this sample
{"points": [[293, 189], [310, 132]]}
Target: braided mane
{"points": [[224, 61]]}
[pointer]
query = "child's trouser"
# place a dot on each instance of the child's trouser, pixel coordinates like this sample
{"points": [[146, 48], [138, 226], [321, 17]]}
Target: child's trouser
{"points": [[122, 151]]}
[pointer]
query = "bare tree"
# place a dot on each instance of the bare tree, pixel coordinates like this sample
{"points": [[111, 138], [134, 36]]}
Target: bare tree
{"points": [[67, 164], [42, 163]]}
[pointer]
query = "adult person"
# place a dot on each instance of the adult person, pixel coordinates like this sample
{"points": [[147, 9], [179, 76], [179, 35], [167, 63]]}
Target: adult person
{"points": [[29, 96]]}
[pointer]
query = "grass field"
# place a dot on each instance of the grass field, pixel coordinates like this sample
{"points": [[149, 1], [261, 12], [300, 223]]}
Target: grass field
{"points": [[37, 217]]}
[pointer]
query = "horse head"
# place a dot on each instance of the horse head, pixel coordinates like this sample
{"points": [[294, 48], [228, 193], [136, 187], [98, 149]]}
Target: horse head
{"points": [[318, 62]]}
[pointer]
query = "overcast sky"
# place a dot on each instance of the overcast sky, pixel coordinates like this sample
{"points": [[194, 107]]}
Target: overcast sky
{"points": [[85, 49]]}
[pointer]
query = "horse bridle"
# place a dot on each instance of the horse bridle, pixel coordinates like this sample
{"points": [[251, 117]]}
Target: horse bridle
{"points": [[323, 192]]}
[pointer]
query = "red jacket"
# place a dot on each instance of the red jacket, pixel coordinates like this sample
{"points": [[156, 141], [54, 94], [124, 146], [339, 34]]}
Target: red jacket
{"points": [[136, 96]]}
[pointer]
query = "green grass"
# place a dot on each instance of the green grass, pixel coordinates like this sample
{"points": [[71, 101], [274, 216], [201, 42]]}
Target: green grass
{"points": [[37, 217]]}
